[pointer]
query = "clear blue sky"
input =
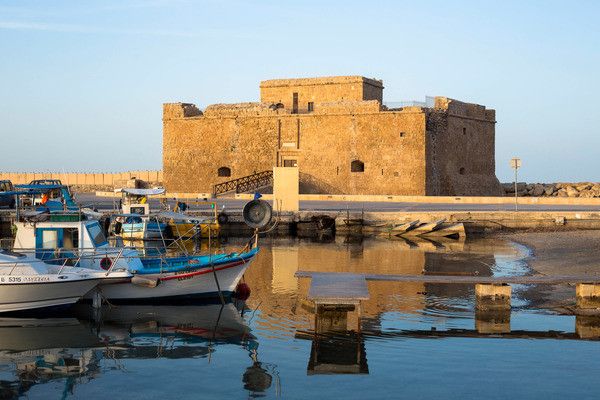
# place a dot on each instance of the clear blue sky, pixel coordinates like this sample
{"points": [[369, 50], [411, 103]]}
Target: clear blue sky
{"points": [[83, 82]]}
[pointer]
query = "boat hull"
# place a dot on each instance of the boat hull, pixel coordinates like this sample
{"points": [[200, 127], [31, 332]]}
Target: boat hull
{"points": [[35, 296], [181, 285], [188, 230]]}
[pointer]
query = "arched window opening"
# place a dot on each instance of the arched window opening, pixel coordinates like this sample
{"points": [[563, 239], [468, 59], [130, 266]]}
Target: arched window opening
{"points": [[357, 166], [224, 171], [461, 170]]}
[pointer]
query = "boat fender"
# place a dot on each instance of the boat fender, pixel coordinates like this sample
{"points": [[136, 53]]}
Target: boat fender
{"points": [[105, 263], [242, 291], [223, 218], [145, 282]]}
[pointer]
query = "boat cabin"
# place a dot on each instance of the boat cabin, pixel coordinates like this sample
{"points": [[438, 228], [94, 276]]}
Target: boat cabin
{"points": [[64, 238], [135, 201]]}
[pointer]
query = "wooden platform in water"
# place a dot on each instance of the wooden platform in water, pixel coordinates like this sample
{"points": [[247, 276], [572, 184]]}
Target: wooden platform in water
{"points": [[338, 289], [332, 282]]}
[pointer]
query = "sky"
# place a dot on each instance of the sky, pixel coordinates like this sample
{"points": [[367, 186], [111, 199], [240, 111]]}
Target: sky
{"points": [[83, 82]]}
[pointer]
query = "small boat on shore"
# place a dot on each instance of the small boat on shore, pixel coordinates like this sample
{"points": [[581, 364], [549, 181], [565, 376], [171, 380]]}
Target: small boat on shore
{"points": [[27, 283]]}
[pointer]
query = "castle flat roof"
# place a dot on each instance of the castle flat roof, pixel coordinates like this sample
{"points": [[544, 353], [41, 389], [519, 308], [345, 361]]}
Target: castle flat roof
{"points": [[325, 80]]}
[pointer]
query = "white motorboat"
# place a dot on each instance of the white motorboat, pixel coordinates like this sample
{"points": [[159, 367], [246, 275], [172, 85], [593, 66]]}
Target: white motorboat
{"points": [[27, 283]]}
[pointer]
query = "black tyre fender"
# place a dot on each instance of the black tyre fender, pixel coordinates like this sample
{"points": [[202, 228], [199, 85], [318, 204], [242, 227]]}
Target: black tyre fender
{"points": [[223, 218]]}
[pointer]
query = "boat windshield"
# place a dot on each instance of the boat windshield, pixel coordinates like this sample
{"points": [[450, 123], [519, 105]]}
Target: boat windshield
{"points": [[96, 234]]}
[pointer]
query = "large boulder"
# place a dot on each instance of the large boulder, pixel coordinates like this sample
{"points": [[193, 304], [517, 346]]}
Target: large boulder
{"points": [[537, 190], [549, 190], [562, 193], [571, 191], [508, 187], [587, 193]]}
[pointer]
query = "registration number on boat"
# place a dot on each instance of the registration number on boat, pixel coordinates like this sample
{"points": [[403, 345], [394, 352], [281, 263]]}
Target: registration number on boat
{"points": [[23, 279]]}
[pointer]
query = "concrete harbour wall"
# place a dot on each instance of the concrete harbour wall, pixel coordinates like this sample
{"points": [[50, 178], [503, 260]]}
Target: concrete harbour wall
{"points": [[82, 178]]}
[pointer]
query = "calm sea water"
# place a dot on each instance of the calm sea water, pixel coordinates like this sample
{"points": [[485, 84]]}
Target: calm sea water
{"points": [[417, 340]]}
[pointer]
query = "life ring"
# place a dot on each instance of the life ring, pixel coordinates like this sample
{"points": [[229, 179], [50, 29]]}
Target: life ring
{"points": [[106, 263]]}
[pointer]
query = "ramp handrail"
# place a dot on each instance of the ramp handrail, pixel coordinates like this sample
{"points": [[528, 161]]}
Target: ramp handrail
{"points": [[245, 183]]}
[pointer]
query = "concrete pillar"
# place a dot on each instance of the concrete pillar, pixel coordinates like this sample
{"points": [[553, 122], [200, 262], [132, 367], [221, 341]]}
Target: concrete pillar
{"points": [[331, 318], [588, 295], [492, 296], [286, 189], [587, 326], [491, 322]]}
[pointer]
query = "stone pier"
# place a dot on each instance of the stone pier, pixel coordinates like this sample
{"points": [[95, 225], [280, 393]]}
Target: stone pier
{"points": [[492, 296]]}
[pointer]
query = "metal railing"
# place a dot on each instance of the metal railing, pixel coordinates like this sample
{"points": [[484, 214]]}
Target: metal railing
{"points": [[429, 102], [244, 184], [62, 262]]}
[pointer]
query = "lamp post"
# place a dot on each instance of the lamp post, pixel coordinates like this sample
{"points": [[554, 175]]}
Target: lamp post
{"points": [[515, 163]]}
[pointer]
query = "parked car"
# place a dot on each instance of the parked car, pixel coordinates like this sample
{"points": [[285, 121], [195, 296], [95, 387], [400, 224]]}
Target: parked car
{"points": [[6, 200], [45, 182]]}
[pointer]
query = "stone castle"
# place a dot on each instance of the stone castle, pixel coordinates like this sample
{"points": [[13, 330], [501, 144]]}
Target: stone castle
{"points": [[340, 135]]}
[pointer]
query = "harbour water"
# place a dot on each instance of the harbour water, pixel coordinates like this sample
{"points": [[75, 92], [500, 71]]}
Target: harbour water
{"points": [[416, 340]]}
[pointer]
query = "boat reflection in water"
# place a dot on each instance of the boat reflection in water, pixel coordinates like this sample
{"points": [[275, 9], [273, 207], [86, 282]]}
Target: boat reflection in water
{"points": [[40, 351], [43, 350]]}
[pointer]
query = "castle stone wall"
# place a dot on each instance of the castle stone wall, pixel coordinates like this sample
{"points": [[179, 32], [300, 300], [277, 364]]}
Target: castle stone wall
{"points": [[348, 144], [320, 90]]}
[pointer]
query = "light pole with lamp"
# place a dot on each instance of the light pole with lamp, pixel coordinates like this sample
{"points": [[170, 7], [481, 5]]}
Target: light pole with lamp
{"points": [[515, 163]]}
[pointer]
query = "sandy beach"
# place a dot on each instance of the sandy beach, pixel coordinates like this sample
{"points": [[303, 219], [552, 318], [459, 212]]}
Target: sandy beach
{"points": [[559, 253]]}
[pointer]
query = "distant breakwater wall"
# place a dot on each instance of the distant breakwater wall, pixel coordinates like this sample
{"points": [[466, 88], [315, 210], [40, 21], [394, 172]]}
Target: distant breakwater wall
{"points": [[580, 189], [109, 179]]}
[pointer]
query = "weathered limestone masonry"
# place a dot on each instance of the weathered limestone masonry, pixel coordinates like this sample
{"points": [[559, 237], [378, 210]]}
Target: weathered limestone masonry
{"points": [[341, 137]]}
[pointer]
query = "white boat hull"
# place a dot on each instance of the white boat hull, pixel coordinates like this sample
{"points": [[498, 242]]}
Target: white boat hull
{"points": [[180, 285], [30, 296]]}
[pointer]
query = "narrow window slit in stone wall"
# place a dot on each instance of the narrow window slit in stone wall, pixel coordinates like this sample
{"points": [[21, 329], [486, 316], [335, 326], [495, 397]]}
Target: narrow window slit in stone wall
{"points": [[295, 103]]}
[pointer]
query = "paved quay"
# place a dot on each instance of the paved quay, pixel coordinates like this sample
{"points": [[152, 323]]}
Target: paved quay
{"points": [[479, 215], [107, 203]]}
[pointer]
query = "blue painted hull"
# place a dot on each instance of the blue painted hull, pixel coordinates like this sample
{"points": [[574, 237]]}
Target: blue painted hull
{"points": [[190, 263]]}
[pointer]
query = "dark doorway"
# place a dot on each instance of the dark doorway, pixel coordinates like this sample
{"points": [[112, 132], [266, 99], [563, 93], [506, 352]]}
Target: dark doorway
{"points": [[224, 171], [357, 166]]}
